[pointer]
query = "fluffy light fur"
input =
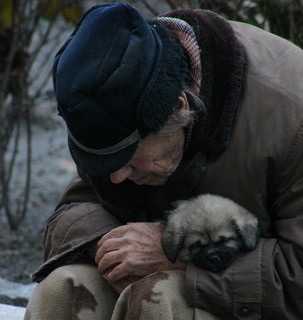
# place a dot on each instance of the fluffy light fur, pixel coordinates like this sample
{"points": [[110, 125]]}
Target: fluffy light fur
{"points": [[209, 230]]}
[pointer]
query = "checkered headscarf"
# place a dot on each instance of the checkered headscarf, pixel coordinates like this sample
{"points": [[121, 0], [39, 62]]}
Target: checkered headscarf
{"points": [[185, 34]]}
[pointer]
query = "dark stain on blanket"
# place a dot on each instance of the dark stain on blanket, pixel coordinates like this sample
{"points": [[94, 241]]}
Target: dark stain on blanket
{"points": [[142, 290], [83, 299]]}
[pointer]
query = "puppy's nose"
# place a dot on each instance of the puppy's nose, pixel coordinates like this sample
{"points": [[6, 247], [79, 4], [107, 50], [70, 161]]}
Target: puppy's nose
{"points": [[214, 258]]}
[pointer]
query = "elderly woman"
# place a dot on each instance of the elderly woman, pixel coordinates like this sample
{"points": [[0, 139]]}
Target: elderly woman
{"points": [[158, 111]]}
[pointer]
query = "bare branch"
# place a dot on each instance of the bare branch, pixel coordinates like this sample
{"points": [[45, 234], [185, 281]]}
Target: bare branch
{"points": [[150, 8]]}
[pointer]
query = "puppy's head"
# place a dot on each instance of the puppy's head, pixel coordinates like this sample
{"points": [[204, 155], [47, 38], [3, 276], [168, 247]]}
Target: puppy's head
{"points": [[209, 231]]}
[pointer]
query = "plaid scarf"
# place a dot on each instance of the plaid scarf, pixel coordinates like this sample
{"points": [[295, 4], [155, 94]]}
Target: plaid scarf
{"points": [[184, 33]]}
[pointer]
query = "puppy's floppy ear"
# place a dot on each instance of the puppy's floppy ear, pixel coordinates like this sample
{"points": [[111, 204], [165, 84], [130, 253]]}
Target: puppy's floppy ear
{"points": [[248, 231], [172, 241]]}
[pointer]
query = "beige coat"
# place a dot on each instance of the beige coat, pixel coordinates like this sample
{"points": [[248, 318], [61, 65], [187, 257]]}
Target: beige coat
{"points": [[262, 169]]}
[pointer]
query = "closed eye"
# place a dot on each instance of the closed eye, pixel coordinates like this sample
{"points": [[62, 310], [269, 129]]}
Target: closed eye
{"points": [[197, 244], [221, 240], [224, 240]]}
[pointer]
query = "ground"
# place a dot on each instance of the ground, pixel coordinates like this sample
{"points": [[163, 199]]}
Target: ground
{"points": [[20, 254], [52, 168]]}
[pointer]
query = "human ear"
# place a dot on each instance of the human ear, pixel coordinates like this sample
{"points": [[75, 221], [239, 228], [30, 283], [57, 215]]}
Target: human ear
{"points": [[183, 102]]}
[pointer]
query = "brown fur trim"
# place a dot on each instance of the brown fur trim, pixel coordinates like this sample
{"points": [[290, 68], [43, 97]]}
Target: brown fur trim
{"points": [[223, 63]]}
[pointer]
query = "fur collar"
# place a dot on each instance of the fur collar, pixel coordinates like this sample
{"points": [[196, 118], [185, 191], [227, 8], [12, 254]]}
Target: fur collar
{"points": [[223, 63]]}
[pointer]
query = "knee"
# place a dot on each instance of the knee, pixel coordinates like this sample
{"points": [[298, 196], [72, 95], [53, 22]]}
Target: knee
{"points": [[157, 296], [68, 289], [74, 274], [163, 278]]}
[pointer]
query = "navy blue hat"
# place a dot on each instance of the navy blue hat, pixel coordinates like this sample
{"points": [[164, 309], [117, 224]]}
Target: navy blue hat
{"points": [[117, 79]]}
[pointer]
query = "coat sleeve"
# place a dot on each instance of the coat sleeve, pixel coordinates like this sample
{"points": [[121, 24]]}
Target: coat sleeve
{"points": [[266, 283], [77, 223]]}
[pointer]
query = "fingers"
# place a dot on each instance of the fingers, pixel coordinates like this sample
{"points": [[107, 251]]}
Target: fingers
{"points": [[116, 259], [131, 250], [110, 245], [142, 234], [110, 260], [115, 233], [117, 273]]}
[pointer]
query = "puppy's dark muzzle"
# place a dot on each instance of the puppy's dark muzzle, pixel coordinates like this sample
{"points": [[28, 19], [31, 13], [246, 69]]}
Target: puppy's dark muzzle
{"points": [[214, 260]]}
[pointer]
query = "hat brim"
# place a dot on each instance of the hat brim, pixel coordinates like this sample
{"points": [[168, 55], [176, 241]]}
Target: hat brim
{"points": [[99, 165]]}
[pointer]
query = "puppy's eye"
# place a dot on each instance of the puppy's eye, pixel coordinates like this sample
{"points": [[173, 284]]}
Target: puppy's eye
{"points": [[224, 240], [197, 244], [221, 240]]}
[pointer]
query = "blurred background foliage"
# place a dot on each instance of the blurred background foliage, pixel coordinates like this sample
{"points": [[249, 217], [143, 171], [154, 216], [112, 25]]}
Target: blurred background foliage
{"points": [[281, 17], [30, 33]]}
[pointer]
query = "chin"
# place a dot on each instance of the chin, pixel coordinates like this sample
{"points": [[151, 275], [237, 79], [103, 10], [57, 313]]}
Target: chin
{"points": [[156, 181]]}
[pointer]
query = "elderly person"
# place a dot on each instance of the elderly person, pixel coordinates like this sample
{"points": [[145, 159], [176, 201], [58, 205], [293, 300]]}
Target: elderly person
{"points": [[158, 111]]}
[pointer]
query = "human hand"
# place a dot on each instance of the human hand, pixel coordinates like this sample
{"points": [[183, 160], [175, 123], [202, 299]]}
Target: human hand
{"points": [[130, 252]]}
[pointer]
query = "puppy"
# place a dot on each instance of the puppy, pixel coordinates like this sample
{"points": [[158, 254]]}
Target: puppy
{"points": [[209, 230]]}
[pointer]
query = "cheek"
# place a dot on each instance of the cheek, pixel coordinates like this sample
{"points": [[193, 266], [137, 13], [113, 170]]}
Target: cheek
{"points": [[160, 155], [153, 161]]}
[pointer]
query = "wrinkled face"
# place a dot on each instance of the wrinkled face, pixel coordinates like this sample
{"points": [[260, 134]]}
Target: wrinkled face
{"points": [[156, 158], [154, 161], [214, 250]]}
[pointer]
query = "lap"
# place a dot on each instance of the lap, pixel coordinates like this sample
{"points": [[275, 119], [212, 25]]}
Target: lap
{"points": [[79, 292], [72, 292], [160, 295]]}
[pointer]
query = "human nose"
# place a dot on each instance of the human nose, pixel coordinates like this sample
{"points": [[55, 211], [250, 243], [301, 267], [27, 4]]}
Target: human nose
{"points": [[121, 174]]}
